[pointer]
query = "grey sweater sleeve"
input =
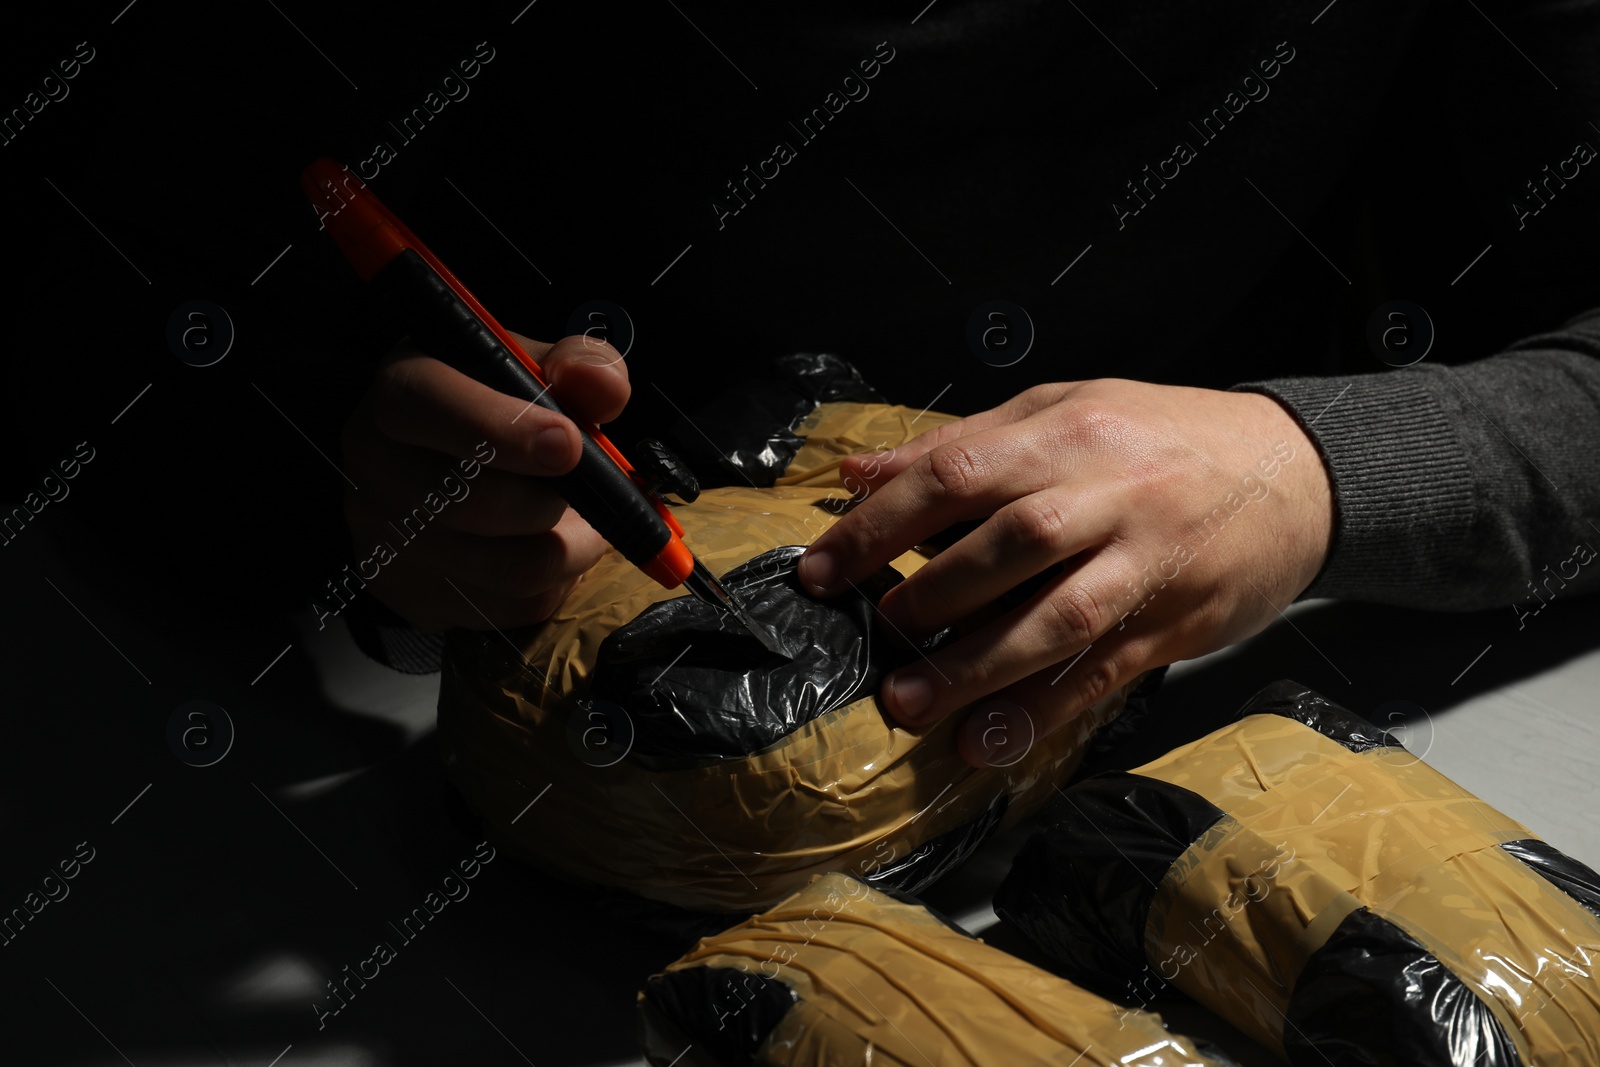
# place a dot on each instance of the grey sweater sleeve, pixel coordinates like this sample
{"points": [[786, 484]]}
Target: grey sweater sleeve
{"points": [[1465, 487], [1477, 485]]}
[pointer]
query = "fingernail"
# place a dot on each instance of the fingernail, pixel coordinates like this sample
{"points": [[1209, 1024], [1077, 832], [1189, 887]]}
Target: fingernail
{"points": [[911, 694], [550, 448], [819, 569]]}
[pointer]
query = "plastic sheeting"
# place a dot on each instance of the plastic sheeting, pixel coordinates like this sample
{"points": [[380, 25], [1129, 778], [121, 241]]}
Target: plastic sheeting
{"points": [[1324, 891], [716, 830], [840, 973], [752, 427], [698, 684]]}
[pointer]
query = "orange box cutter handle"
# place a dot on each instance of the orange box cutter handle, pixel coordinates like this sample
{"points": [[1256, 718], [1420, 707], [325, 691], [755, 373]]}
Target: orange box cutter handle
{"points": [[449, 323]]}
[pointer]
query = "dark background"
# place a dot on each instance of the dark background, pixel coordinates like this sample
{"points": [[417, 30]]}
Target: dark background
{"points": [[595, 143]]}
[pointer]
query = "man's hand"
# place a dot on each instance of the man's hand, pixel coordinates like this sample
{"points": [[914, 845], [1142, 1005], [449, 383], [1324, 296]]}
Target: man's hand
{"points": [[1186, 518], [435, 451]]}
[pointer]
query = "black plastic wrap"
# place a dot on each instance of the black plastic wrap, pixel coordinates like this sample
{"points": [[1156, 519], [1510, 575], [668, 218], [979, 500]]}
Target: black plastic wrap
{"points": [[1081, 888], [824, 378], [1371, 996], [745, 435], [697, 685], [1580, 882], [930, 861], [1294, 701], [725, 1012]]}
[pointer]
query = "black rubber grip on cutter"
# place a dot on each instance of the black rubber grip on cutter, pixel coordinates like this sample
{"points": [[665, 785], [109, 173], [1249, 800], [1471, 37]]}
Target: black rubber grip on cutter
{"points": [[444, 327]]}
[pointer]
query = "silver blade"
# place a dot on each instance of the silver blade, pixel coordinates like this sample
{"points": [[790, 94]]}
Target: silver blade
{"points": [[706, 588]]}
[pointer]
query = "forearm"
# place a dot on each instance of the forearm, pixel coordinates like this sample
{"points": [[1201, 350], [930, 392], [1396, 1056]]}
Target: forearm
{"points": [[1455, 487]]}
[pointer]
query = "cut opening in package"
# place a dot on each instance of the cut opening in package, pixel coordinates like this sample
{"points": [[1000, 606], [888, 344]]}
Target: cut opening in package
{"points": [[841, 973], [1329, 894], [675, 759]]}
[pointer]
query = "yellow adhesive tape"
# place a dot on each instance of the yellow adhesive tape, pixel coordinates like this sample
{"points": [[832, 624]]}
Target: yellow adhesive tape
{"points": [[1314, 831], [886, 983]]}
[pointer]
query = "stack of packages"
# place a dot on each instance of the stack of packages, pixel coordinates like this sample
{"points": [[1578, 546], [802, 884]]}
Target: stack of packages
{"points": [[1297, 872]]}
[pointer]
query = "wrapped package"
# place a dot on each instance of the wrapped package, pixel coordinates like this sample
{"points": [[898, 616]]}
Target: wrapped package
{"points": [[755, 423], [1329, 894], [673, 758], [841, 973]]}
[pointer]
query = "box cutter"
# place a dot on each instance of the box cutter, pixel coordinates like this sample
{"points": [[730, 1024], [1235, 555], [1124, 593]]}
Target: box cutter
{"points": [[449, 323]]}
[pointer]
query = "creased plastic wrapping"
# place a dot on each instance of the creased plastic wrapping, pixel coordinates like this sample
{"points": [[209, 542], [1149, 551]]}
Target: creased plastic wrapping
{"points": [[717, 830], [696, 684], [840, 973], [748, 435], [1326, 892]]}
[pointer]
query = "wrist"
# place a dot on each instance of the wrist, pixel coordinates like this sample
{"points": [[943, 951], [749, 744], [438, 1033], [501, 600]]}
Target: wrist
{"points": [[1305, 485]]}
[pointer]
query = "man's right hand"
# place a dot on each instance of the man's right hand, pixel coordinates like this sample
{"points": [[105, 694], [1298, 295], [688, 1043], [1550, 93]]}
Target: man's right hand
{"points": [[430, 445]]}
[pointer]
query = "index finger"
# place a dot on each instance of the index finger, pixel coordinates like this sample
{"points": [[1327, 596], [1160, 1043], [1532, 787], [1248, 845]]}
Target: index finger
{"points": [[424, 402], [873, 467], [970, 477]]}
